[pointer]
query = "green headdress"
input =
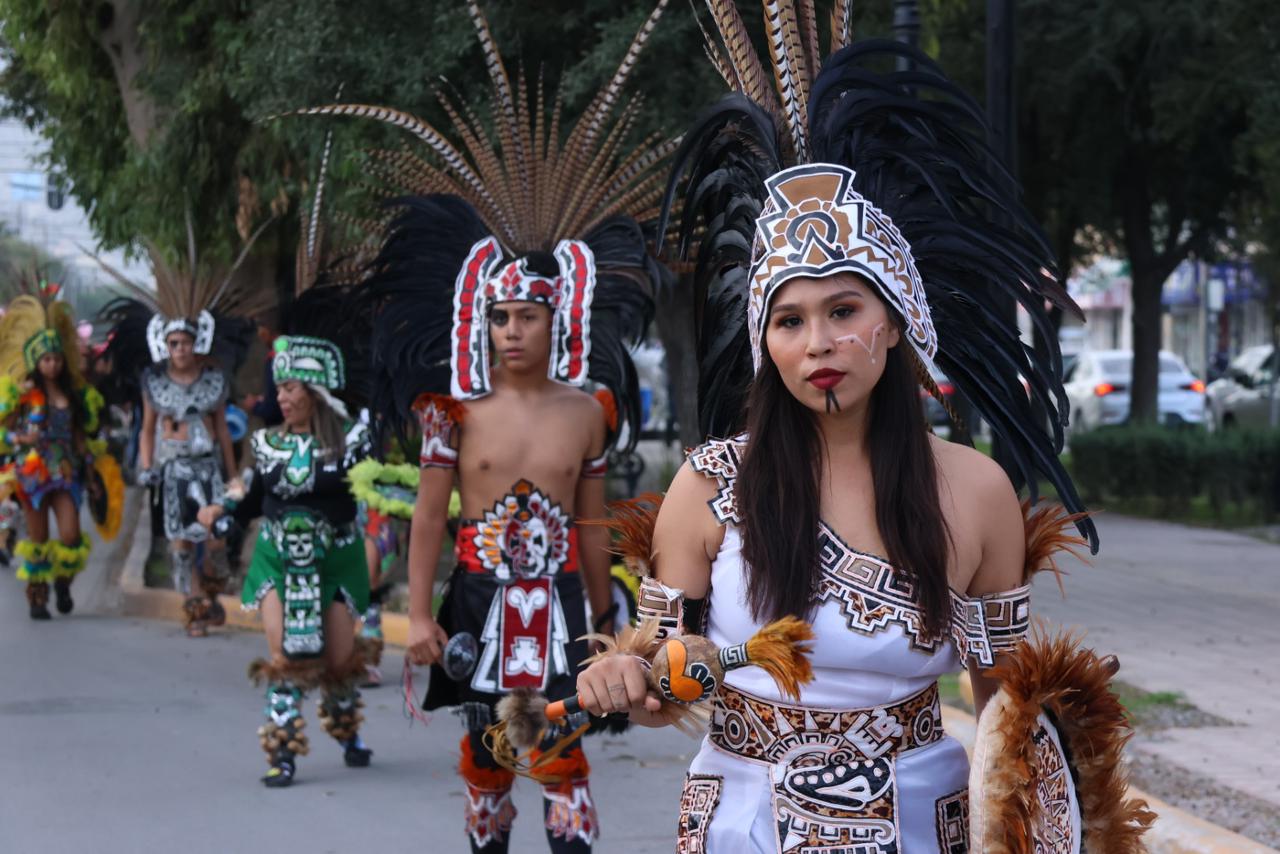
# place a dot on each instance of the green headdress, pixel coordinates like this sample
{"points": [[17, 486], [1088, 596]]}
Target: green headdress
{"points": [[314, 361], [43, 342]]}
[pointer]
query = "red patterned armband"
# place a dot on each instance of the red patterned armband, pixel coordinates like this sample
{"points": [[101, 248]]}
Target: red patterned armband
{"points": [[597, 467], [438, 415]]}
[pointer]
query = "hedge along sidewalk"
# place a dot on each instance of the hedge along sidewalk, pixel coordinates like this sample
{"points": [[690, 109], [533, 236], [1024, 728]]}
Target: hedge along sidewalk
{"points": [[1182, 472], [1175, 831]]}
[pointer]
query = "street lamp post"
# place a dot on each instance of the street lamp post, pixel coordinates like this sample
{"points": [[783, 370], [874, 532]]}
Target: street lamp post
{"points": [[906, 27], [1000, 113]]}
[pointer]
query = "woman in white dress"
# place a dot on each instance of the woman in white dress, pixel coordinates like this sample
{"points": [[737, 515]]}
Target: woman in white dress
{"points": [[835, 503]]}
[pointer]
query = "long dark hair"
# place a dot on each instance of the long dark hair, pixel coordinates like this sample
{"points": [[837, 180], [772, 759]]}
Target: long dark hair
{"points": [[63, 382], [778, 494]]}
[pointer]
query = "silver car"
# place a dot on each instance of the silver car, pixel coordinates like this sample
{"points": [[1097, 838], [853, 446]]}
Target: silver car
{"points": [[1098, 389], [1242, 396]]}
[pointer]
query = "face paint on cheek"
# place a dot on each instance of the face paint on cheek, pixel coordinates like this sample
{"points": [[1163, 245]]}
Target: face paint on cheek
{"points": [[871, 348]]}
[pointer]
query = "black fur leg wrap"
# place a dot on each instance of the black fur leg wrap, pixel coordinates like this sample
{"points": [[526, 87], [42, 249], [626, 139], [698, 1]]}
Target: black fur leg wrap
{"points": [[340, 712]]}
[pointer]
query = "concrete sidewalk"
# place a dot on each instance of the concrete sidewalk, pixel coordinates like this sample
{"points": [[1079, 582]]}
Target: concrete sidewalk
{"points": [[1191, 610]]}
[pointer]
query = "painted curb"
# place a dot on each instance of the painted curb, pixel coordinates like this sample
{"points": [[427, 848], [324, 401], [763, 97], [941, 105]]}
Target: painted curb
{"points": [[1174, 832]]}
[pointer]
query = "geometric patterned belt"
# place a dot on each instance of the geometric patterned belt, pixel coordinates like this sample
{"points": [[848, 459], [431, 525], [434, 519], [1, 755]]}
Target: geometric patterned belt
{"points": [[767, 731], [344, 533]]}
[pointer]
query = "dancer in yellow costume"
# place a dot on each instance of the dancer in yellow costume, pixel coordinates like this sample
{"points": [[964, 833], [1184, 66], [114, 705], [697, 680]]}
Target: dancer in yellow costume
{"points": [[49, 421]]}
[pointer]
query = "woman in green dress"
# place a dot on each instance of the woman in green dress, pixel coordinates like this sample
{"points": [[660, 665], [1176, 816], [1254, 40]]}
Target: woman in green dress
{"points": [[308, 576]]}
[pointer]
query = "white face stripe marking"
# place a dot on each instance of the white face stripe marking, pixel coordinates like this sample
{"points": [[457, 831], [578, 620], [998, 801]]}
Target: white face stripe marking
{"points": [[870, 348]]}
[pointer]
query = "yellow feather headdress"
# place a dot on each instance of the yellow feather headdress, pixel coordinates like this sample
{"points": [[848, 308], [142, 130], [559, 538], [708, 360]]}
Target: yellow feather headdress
{"points": [[35, 324]]}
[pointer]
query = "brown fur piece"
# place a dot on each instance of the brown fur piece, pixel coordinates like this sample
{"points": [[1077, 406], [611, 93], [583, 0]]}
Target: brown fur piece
{"points": [[1073, 685], [1049, 531], [305, 673], [524, 711], [353, 670], [631, 522]]}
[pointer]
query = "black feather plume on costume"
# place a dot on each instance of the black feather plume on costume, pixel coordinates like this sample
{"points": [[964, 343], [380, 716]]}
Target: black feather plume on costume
{"points": [[334, 311], [920, 148], [411, 288], [731, 149], [410, 295], [232, 338], [126, 349], [621, 310]]}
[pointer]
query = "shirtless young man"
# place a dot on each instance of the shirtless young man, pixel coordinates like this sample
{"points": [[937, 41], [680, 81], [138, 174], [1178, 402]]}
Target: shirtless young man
{"points": [[528, 458], [185, 449]]}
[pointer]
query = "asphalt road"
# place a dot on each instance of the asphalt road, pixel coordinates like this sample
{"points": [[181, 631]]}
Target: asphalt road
{"points": [[122, 735]]}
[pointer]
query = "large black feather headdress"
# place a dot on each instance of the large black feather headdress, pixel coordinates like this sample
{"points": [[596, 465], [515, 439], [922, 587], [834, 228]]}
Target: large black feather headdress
{"points": [[471, 214], [912, 197]]}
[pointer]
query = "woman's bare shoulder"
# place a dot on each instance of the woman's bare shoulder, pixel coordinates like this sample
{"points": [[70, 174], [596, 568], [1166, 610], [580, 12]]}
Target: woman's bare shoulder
{"points": [[984, 503], [686, 523], [970, 474]]}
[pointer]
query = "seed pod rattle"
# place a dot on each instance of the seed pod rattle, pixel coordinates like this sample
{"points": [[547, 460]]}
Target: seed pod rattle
{"points": [[688, 669], [685, 670]]}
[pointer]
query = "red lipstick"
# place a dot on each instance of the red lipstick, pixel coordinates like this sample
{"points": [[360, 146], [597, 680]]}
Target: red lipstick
{"points": [[826, 378]]}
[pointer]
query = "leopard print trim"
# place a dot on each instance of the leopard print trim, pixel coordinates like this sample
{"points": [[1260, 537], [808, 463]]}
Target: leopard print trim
{"points": [[767, 731], [872, 595], [698, 802], [951, 818], [719, 459]]}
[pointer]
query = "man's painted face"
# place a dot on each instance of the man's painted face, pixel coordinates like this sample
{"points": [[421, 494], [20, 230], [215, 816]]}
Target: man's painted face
{"points": [[521, 333], [181, 346]]}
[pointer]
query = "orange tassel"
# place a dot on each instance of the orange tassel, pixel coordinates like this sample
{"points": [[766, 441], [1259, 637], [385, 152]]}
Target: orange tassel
{"points": [[454, 409], [567, 766], [1048, 533], [632, 522], [610, 408], [487, 779], [781, 649]]}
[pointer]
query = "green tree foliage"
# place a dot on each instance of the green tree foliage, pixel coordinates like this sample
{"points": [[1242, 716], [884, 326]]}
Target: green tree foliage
{"points": [[188, 129], [1137, 110]]}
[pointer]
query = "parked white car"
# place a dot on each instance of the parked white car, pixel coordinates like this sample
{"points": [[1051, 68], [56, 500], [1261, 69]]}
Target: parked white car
{"points": [[1098, 387], [1242, 396]]}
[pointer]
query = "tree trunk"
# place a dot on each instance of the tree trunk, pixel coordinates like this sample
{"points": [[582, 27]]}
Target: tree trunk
{"points": [[119, 36], [675, 329], [1144, 384]]}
